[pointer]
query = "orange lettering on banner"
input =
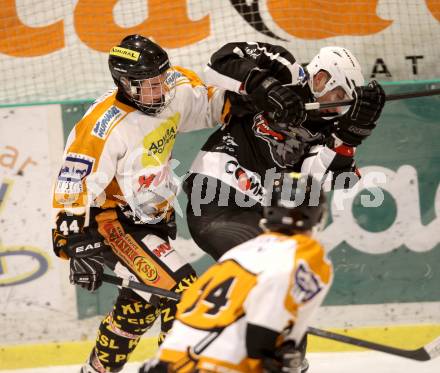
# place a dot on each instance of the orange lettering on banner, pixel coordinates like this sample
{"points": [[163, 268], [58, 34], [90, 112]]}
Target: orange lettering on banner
{"points": [[434, 8], [323, 19], [19, 40], [167, 23]]}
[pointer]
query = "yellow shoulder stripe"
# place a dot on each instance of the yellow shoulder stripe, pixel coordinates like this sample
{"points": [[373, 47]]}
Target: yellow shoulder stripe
{"points": [[313, 254], [85, 142], [311, 251], [193, 78], [91, 133]]}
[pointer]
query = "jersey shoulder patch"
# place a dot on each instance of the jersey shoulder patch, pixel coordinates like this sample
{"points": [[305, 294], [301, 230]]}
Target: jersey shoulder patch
{"points": [[106, 121], [104, 114], [73, 171]]}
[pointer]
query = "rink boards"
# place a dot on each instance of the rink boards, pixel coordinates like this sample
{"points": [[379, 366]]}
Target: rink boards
{"points": [[387, 259]]}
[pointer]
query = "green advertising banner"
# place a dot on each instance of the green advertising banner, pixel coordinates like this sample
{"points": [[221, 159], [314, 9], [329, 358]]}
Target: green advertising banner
{"points": [[388, 253]]}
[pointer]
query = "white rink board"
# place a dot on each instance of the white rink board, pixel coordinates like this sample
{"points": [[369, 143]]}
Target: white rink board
{"points": [[33, 144], [34, 134]]}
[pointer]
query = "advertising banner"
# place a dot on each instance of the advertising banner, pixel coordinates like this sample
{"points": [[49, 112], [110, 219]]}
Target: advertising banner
{"points": [[60, 49]]}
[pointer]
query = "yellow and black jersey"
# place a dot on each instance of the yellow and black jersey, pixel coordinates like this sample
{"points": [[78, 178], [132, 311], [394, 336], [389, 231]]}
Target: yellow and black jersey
{"points": [[273, 283], [117, 155]]}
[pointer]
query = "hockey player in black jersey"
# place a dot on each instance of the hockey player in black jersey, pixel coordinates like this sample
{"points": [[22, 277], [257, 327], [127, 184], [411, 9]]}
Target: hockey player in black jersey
{"points": [[267, 130]]}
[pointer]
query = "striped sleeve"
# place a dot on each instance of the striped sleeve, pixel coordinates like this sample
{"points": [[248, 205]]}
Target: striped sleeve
{"points": [[89, 161], [309, 283], [230, 66]]}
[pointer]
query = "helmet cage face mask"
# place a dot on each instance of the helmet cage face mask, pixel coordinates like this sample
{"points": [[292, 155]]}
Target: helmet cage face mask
{"points": [[151, 95], [142, 71], [343, 68]]}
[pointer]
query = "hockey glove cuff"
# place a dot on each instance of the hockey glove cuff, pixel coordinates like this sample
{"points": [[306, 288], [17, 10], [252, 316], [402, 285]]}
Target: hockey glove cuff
{"points": [[360, 120], [87, 272], [86, 259], [368, 105]]}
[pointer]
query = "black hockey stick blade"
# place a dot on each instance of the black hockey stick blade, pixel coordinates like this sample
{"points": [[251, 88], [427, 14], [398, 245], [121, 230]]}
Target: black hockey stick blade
{"points": [[399, 96], [139, 286], [427, 352]]}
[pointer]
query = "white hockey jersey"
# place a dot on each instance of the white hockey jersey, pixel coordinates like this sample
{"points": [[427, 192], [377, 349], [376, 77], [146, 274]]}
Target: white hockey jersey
{"points": [[117, 155], [274, 281]]}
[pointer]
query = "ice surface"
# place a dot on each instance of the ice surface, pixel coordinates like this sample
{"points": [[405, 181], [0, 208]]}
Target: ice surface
{"points": [[331, 362]]}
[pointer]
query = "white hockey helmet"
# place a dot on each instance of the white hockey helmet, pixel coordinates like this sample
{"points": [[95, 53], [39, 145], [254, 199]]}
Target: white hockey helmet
{"points": [[343, 67]]}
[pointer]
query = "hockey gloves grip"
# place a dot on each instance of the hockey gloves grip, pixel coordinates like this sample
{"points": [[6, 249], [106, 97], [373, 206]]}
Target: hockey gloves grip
{"points": [[86, 260], [358, 123], [287, 358], [271, 96]]}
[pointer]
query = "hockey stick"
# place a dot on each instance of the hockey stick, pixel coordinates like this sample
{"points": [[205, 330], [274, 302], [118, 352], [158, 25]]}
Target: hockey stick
{"points": [[427, 352], [125, 283], [399, 96]]}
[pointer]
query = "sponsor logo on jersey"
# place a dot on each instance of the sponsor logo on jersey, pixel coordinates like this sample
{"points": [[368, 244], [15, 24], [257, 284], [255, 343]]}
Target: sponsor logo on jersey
{"points": [[158, 146], [125, 53], [246, 181], [172, 77], [253, 52], [302, 76], [123, 244], [307, 283], [274, 140], [106, 121], [227, 144], [162, 249], [145, 268], [136, 256], [159, 143], [74, 169], [263, 131], [164, 252], [147, 181]]}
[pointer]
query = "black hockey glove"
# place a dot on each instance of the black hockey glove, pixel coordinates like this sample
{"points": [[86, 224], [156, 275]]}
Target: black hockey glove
{"points": [[287, 358], [86, 260], [271, 96], [360, 120]]}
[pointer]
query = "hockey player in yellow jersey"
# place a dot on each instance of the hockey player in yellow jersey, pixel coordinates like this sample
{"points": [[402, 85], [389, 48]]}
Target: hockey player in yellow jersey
{"points": [[250, 311], [114, 196]]}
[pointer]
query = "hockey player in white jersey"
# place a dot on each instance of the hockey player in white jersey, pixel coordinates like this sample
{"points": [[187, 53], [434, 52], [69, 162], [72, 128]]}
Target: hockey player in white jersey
{"points": [[250, 311], [114, 195]]}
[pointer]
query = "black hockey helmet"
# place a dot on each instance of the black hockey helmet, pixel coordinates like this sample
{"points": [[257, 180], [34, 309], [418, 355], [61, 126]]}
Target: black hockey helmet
{"points": [[135, 60], [298, 205]]}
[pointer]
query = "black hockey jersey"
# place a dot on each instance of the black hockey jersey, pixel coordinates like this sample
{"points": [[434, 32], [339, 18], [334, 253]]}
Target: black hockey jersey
{"points": [[246, 153]]}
